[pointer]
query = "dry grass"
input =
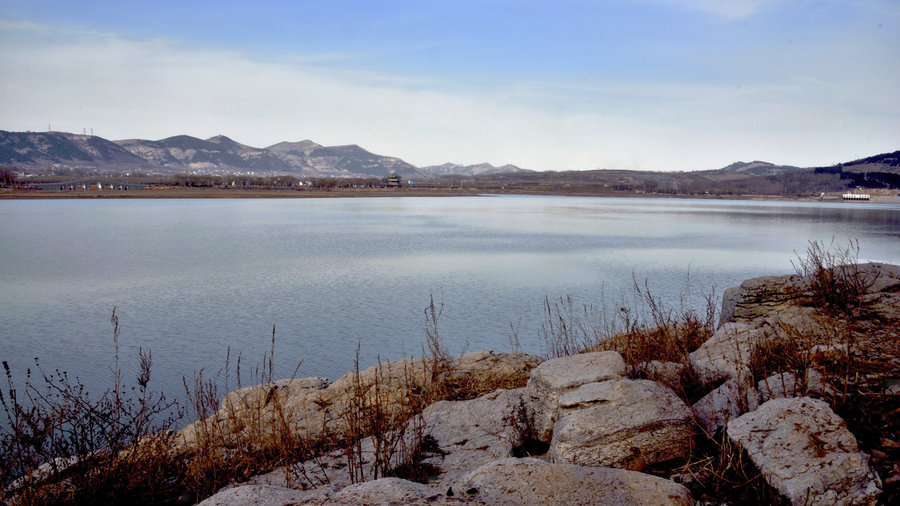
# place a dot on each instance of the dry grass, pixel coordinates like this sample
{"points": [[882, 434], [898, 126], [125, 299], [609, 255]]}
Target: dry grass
{"points": [[60, 444], [643, 331], [254, 435], [719, 473], [834, 280]]}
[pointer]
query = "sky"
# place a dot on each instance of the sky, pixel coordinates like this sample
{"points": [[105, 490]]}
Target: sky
{"points": [[544, 85]]}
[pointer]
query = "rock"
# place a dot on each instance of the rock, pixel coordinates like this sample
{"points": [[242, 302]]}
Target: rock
{"points": [[771, 294], [310, 405], [885, 277], [785, 384], [261, 395], [470, 433], [266, 495], [726, 353], [533, 481], [730, 400], [621, 423], [665, 372], [806, 453], [467, 434], [554, 377], [792, 320], [383, 491], [758, 297]]}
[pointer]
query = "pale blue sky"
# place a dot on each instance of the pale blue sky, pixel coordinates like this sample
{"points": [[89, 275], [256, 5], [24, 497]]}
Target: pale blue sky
{"points": [[646, 84]]}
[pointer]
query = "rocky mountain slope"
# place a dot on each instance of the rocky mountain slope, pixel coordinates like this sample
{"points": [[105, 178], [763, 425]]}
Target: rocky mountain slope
{"points": [[219, 154]]}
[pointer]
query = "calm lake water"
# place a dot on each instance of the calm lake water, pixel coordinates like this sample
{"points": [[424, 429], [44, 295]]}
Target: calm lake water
{"points": [[191, 278]]}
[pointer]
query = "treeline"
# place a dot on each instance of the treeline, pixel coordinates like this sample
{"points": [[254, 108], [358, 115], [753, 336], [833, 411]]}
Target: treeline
{"points": [[801, 182], [7, 178], [864, 179], [269, 182]]}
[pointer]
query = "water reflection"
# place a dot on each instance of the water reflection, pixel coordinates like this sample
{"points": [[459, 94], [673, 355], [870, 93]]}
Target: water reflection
{"points": [[193, 277]]}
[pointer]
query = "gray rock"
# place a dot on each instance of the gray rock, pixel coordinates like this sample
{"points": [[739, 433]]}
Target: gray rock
{"points": [[560, 375], [533, 481], [727, 353], [786, 384], [471, 433], [383, 491], [805, 452], [309, 406], [621, 423], [758, 297], [268, 495], [730, 400], [665, 372]]}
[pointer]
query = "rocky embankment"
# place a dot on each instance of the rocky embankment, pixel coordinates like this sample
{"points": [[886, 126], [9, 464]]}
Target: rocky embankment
{"points": [[770, 381]]}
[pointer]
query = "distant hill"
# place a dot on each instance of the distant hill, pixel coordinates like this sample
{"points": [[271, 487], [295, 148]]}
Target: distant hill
{"points": [[470, 170], [887, 162], [183, 153], [222, 155], [53, 147], [758, 168]]}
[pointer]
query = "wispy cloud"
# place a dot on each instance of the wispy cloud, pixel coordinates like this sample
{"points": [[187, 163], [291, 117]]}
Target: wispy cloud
{"points": [[153, 88], [726, 9]]}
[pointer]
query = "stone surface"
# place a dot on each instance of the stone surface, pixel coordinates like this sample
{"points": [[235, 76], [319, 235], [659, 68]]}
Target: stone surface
{"points": [[560, 375], [758, 297], [310, 405], [773, 294], [383, 491], [666, 372], [533, 481], [805, 452], [471, 433], [730, 400], [786, 384], [727, 353], [267, 495], [621, 423]]}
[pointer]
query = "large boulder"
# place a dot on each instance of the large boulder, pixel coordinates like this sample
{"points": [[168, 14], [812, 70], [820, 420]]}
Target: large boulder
{"points": [[621, 423], [767, 295], [261, 408], [759, 297], [560, 375], [804, 450], [533, 481], [459, 436], [469, 433]]}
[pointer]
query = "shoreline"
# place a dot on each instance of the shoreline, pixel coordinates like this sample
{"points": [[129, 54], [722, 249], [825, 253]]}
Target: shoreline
{"points": [[181, 193]]}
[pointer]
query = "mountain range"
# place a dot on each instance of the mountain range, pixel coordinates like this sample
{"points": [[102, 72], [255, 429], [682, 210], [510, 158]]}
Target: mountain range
{"points": [[219, 154]]}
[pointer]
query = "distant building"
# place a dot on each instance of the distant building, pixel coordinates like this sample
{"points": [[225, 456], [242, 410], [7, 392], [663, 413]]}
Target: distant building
{"points": [[393, 181], [856, 195]]}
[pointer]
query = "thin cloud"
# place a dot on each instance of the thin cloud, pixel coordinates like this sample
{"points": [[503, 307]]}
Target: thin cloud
{"points": [[730, 10], [124, 88]]}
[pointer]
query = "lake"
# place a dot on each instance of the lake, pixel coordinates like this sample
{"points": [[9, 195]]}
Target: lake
{"points": [[191, 278]]}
